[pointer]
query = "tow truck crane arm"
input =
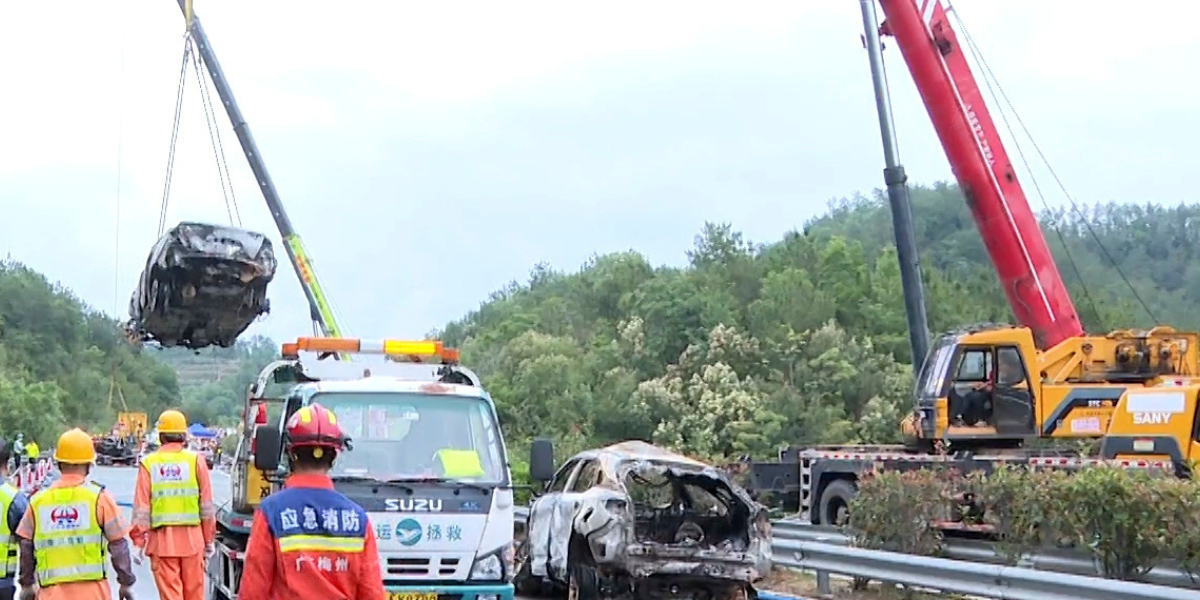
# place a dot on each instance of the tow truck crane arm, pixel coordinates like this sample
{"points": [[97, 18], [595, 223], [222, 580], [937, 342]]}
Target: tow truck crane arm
{"points": [[319, 308], [1009, 228]]}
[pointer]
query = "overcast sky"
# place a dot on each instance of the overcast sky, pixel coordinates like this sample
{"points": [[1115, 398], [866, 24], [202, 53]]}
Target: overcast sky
{"points": [[430, 152]]}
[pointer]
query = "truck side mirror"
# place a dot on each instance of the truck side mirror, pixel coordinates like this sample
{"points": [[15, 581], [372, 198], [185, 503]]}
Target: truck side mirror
{"points": [[541, 460], [267, 444]]}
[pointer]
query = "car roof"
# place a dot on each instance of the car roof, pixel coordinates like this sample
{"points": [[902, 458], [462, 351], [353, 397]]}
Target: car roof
{"points": [[638, 450]]}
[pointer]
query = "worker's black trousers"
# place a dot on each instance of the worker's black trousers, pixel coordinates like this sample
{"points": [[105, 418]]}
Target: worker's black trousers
{"points": [[8, 593]]}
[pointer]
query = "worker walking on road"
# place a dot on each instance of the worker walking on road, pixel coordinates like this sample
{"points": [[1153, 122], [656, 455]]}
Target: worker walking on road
{"points": [[69, 529], [18, 450], [308, 541], [13, 505], [174, 519]]}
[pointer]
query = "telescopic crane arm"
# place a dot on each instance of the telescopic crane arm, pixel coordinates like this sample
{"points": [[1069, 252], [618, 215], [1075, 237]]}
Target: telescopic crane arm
{"points": [[1010, 231], [319, 308]]}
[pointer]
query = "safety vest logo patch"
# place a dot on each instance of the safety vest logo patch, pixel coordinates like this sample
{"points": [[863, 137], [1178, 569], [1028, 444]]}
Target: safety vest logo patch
{"points": [[66, 517], [172, 472]]}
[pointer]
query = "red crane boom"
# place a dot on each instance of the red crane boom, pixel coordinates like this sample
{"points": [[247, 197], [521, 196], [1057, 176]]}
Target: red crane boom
{"points": [[1010, 231]]}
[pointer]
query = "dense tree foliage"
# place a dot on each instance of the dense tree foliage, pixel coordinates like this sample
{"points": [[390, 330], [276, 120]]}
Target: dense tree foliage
{"points": [[745, 348], [63, 364], [800, 341]]}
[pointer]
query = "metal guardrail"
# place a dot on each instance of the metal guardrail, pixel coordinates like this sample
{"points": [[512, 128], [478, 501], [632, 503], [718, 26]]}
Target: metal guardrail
{"points": [[972, 568], [1051, 560], [959, 577]]}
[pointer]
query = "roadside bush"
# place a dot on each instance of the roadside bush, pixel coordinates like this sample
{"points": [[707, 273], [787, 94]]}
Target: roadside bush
{"points": [[1121, 516], [1023, 506], [522, 484], [1183, 526], [896, 511], [1127, 520]]}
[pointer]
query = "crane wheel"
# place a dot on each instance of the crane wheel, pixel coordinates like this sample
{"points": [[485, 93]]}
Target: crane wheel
{"points": [[834, 507]]}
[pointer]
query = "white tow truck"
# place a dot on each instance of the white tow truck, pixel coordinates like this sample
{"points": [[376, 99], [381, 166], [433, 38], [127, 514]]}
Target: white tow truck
{"points": [[441, 534]]}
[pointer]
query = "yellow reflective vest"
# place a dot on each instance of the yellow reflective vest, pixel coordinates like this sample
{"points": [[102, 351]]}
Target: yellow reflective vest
{"points": [[174, 488], [33, 451], [8, 543], [68, 538]]}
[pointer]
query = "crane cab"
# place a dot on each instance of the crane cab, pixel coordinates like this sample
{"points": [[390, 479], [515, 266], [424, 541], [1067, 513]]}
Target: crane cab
{"points": [[989, 385], [975, 388]]}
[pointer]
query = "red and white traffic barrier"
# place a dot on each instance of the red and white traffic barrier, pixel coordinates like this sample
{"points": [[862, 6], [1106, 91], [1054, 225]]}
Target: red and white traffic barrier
{"points": [[30, 476]]}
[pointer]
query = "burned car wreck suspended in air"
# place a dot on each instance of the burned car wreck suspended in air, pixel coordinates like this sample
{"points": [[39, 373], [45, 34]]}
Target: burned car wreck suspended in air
{"points": [[633, 520], [203, 285]]}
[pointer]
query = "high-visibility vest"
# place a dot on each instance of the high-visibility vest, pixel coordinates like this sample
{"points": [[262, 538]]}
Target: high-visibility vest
{"points": [[460, 463], [8, 543], [32, 450], [174, 488], [68, 538]]}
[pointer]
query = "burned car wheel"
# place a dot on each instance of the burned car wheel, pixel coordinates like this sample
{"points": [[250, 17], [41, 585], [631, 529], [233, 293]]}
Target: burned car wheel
{"points": [[583, 580], [524, 582]]}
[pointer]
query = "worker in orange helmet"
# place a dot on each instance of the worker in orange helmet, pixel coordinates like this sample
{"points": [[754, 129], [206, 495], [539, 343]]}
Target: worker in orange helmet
{"points": [[308, 541], [174, 518], [69, 529]]}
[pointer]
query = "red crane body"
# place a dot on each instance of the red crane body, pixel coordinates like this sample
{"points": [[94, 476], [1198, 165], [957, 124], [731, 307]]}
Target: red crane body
{"points": [[1009, 228]]}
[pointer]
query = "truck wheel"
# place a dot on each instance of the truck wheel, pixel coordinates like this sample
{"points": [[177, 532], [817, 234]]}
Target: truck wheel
{"points": [[834, 508]]}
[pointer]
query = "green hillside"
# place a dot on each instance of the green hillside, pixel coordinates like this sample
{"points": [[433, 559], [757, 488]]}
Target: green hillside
{"points": [[214, 380], [798, 341], [61, 362]]}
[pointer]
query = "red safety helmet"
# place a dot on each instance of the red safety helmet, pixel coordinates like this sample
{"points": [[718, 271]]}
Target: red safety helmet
{"points": [[315, 426]]}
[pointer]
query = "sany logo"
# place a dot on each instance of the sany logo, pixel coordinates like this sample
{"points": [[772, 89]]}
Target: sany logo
{"points": [[170, 472], [65, 516]]}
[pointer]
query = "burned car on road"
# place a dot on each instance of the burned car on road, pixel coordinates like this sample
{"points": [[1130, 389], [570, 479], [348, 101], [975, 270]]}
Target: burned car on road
{"points": [[203, 285], [633, 520]]}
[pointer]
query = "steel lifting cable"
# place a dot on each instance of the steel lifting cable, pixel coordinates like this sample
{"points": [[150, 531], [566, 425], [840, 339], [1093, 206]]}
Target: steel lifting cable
{"points": [[162, 213], [214, 136], [989, 78]]}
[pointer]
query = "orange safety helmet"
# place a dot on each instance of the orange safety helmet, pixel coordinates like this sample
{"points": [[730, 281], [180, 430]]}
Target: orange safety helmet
{"points": [[315, 426]]}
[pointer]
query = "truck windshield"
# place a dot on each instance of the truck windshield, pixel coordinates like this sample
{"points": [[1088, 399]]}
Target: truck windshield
{"points": [[414, 437], [933, 372]]}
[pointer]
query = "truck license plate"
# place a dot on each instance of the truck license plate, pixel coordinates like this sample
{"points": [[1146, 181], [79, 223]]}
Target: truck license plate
{"points": [[412, 595]]}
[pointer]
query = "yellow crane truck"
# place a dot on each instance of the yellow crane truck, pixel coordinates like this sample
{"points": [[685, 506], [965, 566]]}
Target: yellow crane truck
{"points": [[1134, 391]]}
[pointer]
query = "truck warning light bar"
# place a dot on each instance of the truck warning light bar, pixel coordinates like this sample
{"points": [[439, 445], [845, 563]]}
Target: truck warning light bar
{"points": [[415, 351]]}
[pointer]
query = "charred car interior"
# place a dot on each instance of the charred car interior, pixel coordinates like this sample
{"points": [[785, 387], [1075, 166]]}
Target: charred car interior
{"points": [[633, 520], [203, 285]]}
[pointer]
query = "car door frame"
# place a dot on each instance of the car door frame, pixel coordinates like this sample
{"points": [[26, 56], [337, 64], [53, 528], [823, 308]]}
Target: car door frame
{"points": [[541, 518], [563, 519]]}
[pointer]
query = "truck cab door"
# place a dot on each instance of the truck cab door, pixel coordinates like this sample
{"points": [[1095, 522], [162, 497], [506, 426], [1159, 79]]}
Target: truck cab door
{"points": [[541, 513], [1012, 394]]}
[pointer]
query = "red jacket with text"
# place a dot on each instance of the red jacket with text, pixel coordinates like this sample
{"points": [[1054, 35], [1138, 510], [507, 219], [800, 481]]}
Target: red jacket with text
{"points": [[309, 542]]}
